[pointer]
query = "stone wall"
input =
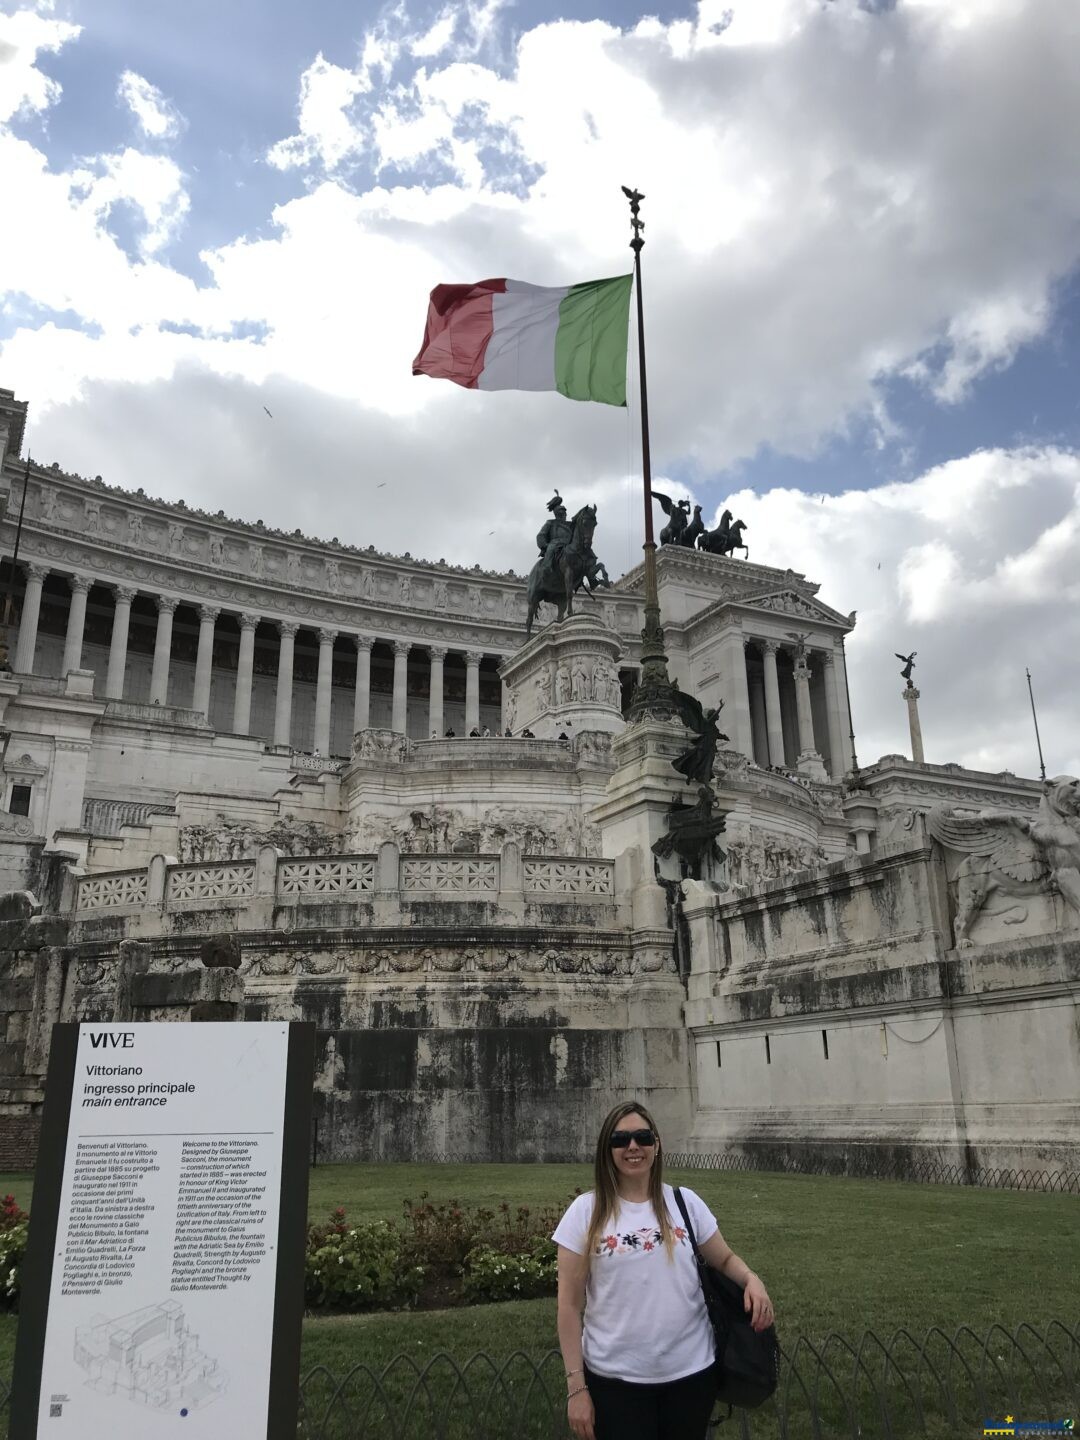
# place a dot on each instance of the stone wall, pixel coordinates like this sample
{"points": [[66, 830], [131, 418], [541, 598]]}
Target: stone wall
{"points": [[832, 1012]]}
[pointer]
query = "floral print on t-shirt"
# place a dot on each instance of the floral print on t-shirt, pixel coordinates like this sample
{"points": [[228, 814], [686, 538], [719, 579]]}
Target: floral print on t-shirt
{"points": [[647, 1238]]}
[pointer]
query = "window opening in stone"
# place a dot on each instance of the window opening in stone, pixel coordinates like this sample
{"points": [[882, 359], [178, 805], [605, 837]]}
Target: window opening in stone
{"points": [[719, 1062], [825, 1043], [768, 1051], [19, 803]]}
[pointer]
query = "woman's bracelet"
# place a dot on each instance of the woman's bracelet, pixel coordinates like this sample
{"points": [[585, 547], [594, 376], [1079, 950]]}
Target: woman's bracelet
{"points": [[574, 1372], [581, 1390]]}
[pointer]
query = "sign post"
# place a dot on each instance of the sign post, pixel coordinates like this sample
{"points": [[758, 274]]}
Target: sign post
{"points": [[163, 1286]]}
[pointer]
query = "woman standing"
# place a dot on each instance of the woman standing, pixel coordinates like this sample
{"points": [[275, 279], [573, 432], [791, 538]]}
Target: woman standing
{"points": [[641, 1367]]}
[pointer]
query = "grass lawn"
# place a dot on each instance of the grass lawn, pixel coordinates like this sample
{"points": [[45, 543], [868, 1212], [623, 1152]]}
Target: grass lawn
{"points": [[837, 1255]]}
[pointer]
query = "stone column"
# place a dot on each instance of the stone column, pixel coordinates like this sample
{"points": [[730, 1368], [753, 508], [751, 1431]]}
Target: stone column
{"points": [[835, 702], [159, 676], [759, 731], [735, 716], [802, 705], [400, 714], [204, 659], [28, 623], [472, 691], [772, 705], [324, 691], [911, 695], [73, 641], [241, 717], [114, 680], [435, 690], [283, 699], [361, 718], [810, 761]]}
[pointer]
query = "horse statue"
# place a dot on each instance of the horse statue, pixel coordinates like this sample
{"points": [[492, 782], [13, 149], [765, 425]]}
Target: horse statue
{"points": [[574, 566], [726, 538], [696, 527]]}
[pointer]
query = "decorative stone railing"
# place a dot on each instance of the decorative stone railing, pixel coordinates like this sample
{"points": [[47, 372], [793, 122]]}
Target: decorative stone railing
{"points": [[333, 877], [450, 874], [196, 884], [274, 879], [548, 876], [114, 890], [317, 764]]}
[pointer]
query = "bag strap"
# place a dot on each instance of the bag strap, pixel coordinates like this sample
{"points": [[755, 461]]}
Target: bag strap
{"points": [[684, 1213]]}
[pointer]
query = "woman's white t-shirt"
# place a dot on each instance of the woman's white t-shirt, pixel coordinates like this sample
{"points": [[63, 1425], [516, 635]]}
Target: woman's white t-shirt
{"points": [[645, 1318]]}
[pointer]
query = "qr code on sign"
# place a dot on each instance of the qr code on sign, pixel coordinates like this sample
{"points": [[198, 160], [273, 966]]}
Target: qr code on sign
{"points": [[55, 1411]]}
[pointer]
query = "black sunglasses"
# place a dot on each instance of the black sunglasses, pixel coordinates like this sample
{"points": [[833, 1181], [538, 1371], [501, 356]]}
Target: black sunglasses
{"points": [[620, 1139]]}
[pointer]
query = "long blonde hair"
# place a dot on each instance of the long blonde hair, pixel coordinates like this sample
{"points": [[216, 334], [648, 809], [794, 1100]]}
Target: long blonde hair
{"points": [[606, 1179]]}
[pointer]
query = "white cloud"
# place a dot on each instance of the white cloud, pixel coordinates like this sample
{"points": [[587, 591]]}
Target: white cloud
{"points": [[156, 117], [24, 89], [325, 134]]}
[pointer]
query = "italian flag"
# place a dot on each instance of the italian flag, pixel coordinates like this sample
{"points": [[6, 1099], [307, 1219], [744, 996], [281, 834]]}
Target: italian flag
{"points": [[508, 335]]}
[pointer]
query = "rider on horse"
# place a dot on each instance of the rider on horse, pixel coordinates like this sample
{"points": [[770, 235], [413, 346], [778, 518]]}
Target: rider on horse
{"points": [[553, 538]]}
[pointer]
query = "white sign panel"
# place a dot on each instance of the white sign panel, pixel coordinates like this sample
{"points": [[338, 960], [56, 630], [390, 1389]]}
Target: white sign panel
{"points": [[161, 1306]]}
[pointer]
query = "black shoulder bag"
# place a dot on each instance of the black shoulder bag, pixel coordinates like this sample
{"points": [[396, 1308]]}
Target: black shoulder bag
{"points": [[747, 1360]]}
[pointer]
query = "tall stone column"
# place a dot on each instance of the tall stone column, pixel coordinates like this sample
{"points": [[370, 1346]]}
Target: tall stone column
{"points": [[400, 714], [735, 717], [835, 705], [911, 695], [28, 623], [810, 762], [759, 732], [159, 676], [204, 659], [362, 697], [802, 705], [324, 691], [472, 691], [773, 722], [114, 679], [283, 699], [245, 667], [73, 641], [435, 690]]}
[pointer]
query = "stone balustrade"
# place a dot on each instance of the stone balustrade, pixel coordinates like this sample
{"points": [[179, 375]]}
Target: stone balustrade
{"points": [[292, 880]]}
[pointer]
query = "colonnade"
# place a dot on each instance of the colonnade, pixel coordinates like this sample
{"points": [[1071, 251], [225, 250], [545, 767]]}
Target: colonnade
{"points": [[208, 615], [760, 712]]}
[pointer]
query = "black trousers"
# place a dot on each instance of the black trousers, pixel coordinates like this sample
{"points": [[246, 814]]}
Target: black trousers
{"points": [[679, 1410]]}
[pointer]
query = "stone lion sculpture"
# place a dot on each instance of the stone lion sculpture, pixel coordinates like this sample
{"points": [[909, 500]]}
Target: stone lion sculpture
{"points": [[1014, 855]]}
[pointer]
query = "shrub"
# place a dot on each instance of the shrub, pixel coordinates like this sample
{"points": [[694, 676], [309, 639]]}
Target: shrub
{"points": [[358, 1267], [494, 1275]]}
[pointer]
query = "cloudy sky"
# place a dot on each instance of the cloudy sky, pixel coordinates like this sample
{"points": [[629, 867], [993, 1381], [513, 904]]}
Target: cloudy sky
{"points": [[862, 292]]}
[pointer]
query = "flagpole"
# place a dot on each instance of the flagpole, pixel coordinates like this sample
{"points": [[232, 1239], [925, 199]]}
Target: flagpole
{"points": [[1038, 740], [652, 693]]}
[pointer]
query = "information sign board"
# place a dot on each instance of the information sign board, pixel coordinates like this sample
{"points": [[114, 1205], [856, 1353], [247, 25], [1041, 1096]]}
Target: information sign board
{"points": [[163, 1288]]}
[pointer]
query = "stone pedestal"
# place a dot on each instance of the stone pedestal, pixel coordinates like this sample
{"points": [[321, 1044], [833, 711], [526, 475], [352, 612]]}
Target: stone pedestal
{"points": [[565, 680], [635, 814]]}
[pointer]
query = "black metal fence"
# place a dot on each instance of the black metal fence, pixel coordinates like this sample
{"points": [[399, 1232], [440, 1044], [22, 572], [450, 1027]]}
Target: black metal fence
{"points": [[863, 1390], [871, 1167], [781, 1161], [871, 1389]]}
